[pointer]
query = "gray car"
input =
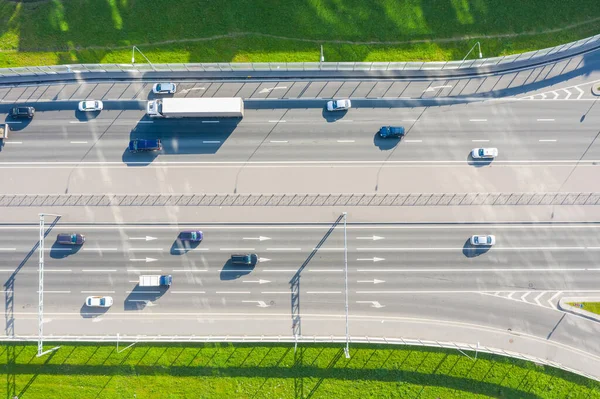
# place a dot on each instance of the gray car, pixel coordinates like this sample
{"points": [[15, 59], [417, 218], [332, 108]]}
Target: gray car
{"points": [[70, 238], [164, 88]]}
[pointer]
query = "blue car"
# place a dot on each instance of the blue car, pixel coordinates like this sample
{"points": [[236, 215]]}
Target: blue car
{"points": [[139, 145], [391, 131], [191, 236]]}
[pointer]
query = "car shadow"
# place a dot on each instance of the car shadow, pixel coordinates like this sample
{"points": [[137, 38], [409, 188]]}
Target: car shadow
{"points": [[140, 297], [59, 251], [332, 116], [139, 158], [385, 144], [17, 124], [182, 247], [86, 116], [479, 162], [89, 312], [472, 251], [231, 271]]}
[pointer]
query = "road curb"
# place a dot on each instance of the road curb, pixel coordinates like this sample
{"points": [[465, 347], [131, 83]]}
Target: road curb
{"points": [[596, 89], [563, 305]]}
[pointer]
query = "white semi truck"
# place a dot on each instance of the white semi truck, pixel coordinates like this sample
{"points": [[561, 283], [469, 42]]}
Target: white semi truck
{"points": [[155, 280], [223, 107]]}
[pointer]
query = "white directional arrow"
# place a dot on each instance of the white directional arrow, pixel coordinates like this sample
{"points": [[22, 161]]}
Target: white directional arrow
{"points": [[260, 304], [263, 259], [144, 260], [436, 88], [374, 259], [269, 89], [261, 238], [261, 281], [147, 238], [374, 281], [374, 238], [374, 304]]}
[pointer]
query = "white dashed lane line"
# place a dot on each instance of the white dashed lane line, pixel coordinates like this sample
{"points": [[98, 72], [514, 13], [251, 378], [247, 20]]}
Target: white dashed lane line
{"points": [[548, 141]]}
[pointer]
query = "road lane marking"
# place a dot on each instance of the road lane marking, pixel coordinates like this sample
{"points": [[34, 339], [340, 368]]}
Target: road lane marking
{"points": [[14, 142], [211, 121], [143, 270], [323, 292], [232, 292], [11, 122], [78, 121], [545, 120], [276, 292], [99, 270], [79, 142], [276, 121], [429, 292], [211, 142], [480, 141], [326, 270], [142, 292], [552, 298], [280, 270], [57, 270], [374, 304], [284, 249], [409, 120], [190, 270], [346, 141], [278, 141], [236, 249], [547, 141], [8, 249], [144, 249], [408, 249], [327, 249], [413, 141], [55, 292], [578, 269], [191, 249], [99, 249], [97, 292], [188, 292], [145, 122], [477, 120]]}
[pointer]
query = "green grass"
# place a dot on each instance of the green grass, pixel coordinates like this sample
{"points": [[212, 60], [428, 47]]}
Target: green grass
{"points": [[92, 31], [593, 307], [276, 371]]}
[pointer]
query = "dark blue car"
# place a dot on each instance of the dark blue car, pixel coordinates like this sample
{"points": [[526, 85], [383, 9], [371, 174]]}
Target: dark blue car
{"points": [[391, 131], [191, 236], [139, 145]]}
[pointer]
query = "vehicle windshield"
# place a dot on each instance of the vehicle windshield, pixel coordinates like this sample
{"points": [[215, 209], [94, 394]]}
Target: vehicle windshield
{"points": [[102, 301], [158, 87], [74, 238], [481, 152], [489, 240]]}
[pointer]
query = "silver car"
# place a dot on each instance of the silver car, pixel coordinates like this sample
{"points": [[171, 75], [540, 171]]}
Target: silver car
{"points": [[477, 153], [164, 88], [339, 105], [90, 105], [483, 240], [99, 301]]}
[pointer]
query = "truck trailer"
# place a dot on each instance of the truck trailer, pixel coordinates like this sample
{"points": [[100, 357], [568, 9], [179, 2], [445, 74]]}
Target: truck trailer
{"points": [[223, 107], [155, 280]]}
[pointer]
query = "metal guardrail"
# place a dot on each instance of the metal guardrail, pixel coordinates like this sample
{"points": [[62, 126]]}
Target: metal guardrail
{"points": [[414, 199], [301, 66], [461, 347]]}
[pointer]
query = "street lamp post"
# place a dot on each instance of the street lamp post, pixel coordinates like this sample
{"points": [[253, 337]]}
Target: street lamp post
{"points": [[41, 288], [472, 48], [140, 51]]}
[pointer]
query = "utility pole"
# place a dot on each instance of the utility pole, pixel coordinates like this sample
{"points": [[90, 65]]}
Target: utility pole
{"points": [[140, 51], [347, 348]]}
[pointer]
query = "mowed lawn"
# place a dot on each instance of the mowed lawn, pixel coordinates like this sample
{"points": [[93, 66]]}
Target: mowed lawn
{"points": [[94, 31], [276, 371]]}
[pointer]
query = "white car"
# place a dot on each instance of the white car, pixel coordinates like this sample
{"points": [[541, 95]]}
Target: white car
{"points": [[339, 105], [483, 240], [164, 88], [99, 301], [477, 153], [90, 105]]}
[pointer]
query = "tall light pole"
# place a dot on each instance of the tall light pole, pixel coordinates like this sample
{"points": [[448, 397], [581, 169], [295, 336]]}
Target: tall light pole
{"points": [[140, 51], [480, 54], [41, 288], [347, 348]]}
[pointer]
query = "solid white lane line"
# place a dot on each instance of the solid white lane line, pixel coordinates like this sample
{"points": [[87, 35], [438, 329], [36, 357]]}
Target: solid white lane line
{"points": [[211, 142], [211, 121], [79, 142], [97, 292], [480, 141], [325, 270], [545, 120], [8, 249], [57, 270], [489, 270], [284, 249], [236, 249], [188, 292], [143, 270], [346, 141], [323, 292], [144, 249], [99, 249], [278, 141], [142, 292], [477, 120], [11, 122], [190, 270], [429, 292], [14, 142], [413, 141], [58, 249], [145, 121], [277, 121], [407, 249], [99, 270], [55, 292], [232, 292], [77, 121], [409, 120], [547, 141]]}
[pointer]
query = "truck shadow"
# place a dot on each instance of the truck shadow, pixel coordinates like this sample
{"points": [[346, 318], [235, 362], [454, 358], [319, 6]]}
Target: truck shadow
{"points": [[140, 297], [231, 271]]}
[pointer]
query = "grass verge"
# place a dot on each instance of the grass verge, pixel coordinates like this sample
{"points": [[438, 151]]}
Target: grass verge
{"points": [[593, 307], [91, 31], [276, 371]]}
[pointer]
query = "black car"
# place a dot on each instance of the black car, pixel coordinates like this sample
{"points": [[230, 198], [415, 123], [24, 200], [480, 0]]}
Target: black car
{"points": [[244, 259], [140, 145], [70, 239], [391, 131], [22, 112]]}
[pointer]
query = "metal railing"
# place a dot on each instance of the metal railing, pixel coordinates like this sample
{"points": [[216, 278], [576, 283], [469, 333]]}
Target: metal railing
{"points": [[532, 56], [461, 347]]}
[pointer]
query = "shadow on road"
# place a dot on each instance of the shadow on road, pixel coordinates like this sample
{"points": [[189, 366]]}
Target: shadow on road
{"points": [[385, 144], [231, 271], [59, 251], [479, 162], [182, 247], [331, 117], [472, 251], [89, 312], [141, 297]]}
